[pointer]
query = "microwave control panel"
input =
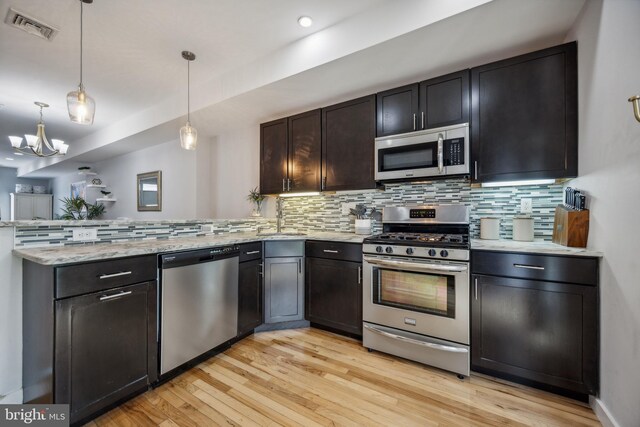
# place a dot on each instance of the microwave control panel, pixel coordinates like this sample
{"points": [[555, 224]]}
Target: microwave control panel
{"points": [[454, 151]]}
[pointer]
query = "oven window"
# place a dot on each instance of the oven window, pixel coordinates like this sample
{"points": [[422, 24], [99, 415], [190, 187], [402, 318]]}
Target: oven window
{"points": [[416, 156], [425, 293]]}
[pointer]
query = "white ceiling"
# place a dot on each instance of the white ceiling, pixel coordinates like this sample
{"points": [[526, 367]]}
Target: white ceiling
{"points": [[254, 62]]}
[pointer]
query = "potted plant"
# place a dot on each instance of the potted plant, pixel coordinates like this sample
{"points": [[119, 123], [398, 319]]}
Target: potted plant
{"points": [[256, 198], [363, 220], [76, 208]]}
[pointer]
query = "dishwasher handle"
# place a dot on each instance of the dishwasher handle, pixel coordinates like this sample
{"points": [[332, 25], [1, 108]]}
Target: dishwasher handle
{"points": [[181, 259]]}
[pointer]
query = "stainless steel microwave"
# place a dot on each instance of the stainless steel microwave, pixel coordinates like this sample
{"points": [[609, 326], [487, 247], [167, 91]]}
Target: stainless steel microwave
{"points": [[431, 153]]}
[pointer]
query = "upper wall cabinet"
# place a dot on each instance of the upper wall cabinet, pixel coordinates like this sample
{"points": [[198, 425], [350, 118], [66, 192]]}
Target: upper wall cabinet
{"points": [[525, 117], [433, 103], [290, 154], [348, 132]]}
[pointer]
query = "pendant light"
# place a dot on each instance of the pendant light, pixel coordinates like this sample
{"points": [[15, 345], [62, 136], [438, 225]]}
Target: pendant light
{"points": [[81, 106], [188, 134], [38, 144]]}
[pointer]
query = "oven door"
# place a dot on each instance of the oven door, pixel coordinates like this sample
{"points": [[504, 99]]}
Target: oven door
{"points": [[424, 297]]}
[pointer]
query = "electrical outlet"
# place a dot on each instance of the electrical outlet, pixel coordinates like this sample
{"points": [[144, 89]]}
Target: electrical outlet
{"points": [[347, 206], [526, 206], [82, 234]]}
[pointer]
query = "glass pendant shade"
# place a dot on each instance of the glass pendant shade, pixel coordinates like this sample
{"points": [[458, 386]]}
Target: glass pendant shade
{"points": [[16, 141], [81, 107], [188, 137]]}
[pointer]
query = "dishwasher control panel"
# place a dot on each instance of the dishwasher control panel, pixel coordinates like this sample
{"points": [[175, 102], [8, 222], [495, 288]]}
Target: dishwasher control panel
{"points": [[224, 250], [179, 259]]}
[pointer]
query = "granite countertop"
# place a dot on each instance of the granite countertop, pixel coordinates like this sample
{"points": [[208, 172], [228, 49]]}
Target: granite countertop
{"points": [[536, 247], [105, 222], [60, 255]]}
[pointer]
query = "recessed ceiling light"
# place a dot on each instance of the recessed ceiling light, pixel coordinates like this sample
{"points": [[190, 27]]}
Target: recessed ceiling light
{"points": [[9, 158], [305, 21]]}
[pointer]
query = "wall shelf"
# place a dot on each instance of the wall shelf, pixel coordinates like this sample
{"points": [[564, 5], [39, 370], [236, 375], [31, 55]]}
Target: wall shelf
{"points": [[87, 173], [105, 199], [96, 186]]}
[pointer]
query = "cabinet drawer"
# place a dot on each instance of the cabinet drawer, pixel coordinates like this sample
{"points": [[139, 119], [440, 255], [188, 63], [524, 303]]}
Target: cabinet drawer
{"points": [[284, 248], [96, 276], [335, 250], [578, 270], [250, 251]]}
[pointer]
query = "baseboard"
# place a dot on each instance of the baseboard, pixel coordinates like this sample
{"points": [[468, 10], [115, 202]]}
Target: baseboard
{"points": [[602, 412], [12, 398]]}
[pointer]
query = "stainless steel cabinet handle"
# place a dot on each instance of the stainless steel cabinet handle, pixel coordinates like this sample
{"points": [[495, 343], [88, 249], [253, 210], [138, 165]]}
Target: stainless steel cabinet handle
{"points": [[299, 266], [323, 185], [422, 115], [359, 275], [261, 272], [422, 343], [415, 121], [530, 267], [476, 291], [252, 252], [330, 251], [283, 185], [440, 153], [109, 276], [288, 184], [475, 167], [118, 295]]}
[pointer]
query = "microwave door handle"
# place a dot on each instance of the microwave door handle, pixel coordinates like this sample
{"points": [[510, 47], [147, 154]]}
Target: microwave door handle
{"points": [[440, 153], [412, 266]]}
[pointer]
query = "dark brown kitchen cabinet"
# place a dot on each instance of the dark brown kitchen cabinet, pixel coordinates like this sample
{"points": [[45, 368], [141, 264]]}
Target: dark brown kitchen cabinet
{"points": [[274, 164], [531, 325], [525, 116], [305, 143], [250, 289], [89, 333], [398, 110], [444, 100], [333, 286], [433, 103], [290, 154], [348, 133]]}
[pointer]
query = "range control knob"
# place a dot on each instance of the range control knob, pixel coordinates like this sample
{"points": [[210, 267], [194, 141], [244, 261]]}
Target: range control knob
{"points": [[432, 252], [379, 249], [444, 253], [409, 251], [389, 250]]}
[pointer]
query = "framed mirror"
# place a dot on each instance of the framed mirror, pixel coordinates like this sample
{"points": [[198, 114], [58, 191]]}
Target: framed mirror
{"points": [[150, 191]]}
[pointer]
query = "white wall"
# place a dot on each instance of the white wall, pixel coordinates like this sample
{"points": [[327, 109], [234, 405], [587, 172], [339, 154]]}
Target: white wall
{"points": [[186, 189], [608, 34], [10, 320], [8, 181], [235, 170]]}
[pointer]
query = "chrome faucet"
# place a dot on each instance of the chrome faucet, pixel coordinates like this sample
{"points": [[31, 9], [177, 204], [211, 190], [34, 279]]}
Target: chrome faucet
{"points": [[278, 214]]}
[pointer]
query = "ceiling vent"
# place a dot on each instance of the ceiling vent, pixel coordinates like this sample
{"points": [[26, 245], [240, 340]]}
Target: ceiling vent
{"points": [[29, 24]]}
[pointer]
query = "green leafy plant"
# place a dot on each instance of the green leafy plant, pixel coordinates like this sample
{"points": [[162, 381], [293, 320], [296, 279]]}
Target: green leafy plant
{"points": [[77, 208], [256, 198]]}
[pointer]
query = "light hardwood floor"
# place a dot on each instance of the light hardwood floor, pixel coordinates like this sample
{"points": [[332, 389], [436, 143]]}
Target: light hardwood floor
{"points": [[308, 377]]}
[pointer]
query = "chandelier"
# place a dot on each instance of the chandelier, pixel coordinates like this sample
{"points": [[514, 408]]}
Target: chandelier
{"points": [[38, 144]]}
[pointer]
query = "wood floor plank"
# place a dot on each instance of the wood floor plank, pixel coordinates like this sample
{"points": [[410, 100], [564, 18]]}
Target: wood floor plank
{"points": [[309, 377]]}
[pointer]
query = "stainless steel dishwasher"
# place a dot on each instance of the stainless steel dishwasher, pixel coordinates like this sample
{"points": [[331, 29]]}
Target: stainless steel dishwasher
{"points": [[198, 303]]}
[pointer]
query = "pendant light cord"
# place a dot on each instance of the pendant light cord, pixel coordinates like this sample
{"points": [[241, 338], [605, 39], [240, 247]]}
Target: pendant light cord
{"points": [[188, 92], [81, 31]]}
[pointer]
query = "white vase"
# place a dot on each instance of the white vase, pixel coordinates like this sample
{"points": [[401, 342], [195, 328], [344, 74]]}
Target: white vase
{"points": [[363, 226]]}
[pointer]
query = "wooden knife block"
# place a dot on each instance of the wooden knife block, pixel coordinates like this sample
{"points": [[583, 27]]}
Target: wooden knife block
{"points": [[571, 227]]}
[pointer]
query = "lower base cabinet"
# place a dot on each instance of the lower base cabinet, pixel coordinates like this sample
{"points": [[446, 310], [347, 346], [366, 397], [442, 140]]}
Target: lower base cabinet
{"points": [[532, 326], [284, 281], [333, 286], [250, 293], [89, 333]]}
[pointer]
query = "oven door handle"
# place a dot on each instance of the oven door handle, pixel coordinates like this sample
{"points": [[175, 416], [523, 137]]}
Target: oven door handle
{"points": [[432, 345], [413, 266]]}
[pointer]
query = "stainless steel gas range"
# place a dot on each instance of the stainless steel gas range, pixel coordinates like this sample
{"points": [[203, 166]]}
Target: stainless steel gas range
{"points": [[416, 286]]}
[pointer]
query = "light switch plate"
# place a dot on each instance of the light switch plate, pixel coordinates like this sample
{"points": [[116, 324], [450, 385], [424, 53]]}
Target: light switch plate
{"points": [[82, 234], [526, 205]]}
